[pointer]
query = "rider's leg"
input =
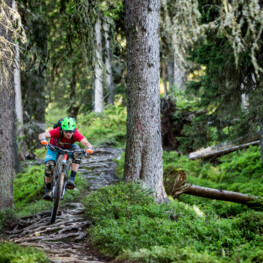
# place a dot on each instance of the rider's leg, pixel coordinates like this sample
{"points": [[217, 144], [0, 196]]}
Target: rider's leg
{"points": [[74, 167], [50, 162]]}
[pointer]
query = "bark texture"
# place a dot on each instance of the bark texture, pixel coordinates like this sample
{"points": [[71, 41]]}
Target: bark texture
{"points": [[143, 158], [109, 82], [99, 101], [220, 194], [17, 82], [8, 150]]}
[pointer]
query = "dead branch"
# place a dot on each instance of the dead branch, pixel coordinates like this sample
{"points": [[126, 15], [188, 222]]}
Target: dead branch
{"points": [[214, 152]]}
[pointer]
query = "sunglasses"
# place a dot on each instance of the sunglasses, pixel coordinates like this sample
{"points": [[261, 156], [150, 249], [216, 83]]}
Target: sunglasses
{"points": [[68, 131]]}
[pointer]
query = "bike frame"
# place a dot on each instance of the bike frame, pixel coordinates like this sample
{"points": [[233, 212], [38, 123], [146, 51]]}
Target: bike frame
{"points": [[60, 178], [61, 168]]}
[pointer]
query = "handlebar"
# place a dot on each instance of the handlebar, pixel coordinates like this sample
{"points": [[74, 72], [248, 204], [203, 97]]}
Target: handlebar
{"points": [[65, 151]]}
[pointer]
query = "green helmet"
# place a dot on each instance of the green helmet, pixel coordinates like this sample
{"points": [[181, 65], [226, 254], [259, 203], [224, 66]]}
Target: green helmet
{"points": [[68, 124]]}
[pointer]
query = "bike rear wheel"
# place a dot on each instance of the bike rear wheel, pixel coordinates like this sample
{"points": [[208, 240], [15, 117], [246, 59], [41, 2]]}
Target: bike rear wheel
{"points": [[57, 196]]}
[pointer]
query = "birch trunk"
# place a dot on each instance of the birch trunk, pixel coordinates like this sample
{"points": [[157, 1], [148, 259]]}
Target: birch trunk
{"points": [[17, 84], [109, 84], [8, 149], [143, 157], [99, 100]]}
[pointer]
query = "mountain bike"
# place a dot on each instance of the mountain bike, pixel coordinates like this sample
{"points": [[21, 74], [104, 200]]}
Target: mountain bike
{"points": [[60, 176]]}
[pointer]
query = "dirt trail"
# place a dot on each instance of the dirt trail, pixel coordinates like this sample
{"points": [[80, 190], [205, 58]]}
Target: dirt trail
{"points": [[66, 240]]}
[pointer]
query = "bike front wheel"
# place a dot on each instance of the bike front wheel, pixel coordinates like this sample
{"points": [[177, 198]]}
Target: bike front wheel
{"points": [[57, 195]]}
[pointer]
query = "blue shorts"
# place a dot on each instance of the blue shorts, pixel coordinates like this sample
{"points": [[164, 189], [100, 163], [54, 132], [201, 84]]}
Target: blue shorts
{"points": [[52, 155]]}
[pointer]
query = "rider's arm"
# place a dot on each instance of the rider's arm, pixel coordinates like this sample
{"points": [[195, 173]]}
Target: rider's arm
{"points": [[44, 135], [85, 142]]}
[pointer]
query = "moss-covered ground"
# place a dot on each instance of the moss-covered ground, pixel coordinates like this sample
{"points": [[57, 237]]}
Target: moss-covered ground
{"points": [[128, 224]]}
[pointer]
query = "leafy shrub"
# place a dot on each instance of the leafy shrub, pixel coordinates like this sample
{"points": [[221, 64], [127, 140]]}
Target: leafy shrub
{"points": [[115, 201], [28, 186], [243, 165], [248, 254], [161, 254], [126, 221], [11, 253], [251, 224]]}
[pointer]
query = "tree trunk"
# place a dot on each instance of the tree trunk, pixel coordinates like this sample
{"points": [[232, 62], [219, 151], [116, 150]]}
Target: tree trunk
{"points": [[17, 83], [179, 76], [73, 107], [164, 76], [109, 84], [167, 49], [99, 100], [8, 149], [143, 158], [170, 71]]}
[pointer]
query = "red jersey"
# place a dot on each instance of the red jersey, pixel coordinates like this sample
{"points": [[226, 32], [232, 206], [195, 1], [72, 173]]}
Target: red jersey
{"points": [[64, 142]]}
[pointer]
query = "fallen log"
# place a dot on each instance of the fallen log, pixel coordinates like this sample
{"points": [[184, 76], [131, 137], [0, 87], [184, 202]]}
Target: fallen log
{"points": [[179, 186], [214, 152], [220, 194]]}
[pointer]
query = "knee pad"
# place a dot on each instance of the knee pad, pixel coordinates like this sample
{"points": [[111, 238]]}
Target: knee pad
{"points": [[49, 168], [77, 157], [76, 161]]}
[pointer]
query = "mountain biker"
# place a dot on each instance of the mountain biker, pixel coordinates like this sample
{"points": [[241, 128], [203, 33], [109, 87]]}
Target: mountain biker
{"points": [[63, 137]]}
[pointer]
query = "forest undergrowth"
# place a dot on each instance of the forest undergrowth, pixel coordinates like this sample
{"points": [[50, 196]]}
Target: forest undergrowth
{"points": [[128, 224]]}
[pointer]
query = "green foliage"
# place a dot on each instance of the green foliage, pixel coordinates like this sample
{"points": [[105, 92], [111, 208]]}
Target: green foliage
{"points": [[159, 254], [244, 165], [128, 223], [28, 186], [220, 90], [107, 128], [12, 253], [111, 200]]}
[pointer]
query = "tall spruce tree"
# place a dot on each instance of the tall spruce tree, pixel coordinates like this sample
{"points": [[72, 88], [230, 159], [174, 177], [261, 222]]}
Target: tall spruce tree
{"points": [[8, 150], [143, 156]]}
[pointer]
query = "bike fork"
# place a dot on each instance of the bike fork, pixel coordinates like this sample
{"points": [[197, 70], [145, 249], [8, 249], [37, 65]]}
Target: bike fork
{"points": [[64, 171]]}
